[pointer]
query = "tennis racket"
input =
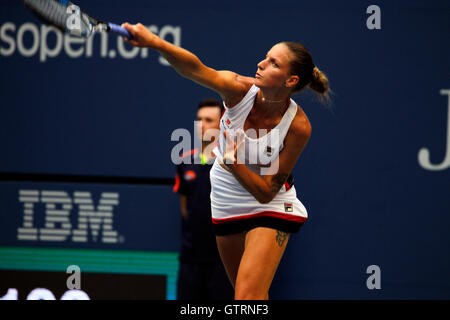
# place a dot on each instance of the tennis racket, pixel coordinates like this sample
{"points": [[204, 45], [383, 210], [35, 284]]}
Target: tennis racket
{"points": [[68, 18]]}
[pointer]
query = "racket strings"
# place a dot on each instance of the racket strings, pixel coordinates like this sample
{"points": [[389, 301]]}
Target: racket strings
{"points": [[74, 21], [51, 11]]}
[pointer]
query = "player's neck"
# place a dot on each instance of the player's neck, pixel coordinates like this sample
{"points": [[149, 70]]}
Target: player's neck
{"points": [[272, 103]]}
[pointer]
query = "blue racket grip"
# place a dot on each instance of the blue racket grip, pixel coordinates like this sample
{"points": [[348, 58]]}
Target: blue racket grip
{"points": [[119, 30]]}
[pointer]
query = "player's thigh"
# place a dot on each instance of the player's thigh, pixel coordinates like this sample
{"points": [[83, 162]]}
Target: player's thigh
{"points": [[264, 248], [231, 248]]}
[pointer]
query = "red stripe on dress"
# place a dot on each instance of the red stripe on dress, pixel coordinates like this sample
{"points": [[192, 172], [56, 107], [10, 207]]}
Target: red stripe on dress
{"points": [[280, 215]]}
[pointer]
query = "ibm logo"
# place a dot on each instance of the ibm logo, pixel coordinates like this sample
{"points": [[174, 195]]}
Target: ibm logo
{"points": [[58, 206]]}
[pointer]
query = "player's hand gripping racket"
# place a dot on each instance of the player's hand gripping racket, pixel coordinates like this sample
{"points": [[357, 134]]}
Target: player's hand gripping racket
{"points": [[68, 18]]}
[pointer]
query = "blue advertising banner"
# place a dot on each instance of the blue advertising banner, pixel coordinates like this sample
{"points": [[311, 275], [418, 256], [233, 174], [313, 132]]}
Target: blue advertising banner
{"points": [[90, 216]]}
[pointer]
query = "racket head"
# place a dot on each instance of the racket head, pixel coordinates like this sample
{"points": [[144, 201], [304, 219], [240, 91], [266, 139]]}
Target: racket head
{"points": [[67, 18]]}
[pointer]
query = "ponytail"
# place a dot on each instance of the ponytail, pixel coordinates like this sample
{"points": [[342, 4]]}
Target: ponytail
{"points": [[310, 76], [319, 84]]}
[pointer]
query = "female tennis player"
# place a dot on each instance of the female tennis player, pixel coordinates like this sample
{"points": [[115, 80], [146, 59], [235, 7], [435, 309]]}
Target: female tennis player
{"points": [[263, 132]]}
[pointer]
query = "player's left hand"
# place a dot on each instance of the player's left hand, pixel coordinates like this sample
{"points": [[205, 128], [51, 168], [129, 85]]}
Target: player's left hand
{"points": [[234, 151]]}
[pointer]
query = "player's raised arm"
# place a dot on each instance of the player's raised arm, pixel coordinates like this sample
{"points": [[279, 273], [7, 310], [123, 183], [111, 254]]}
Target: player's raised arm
{"points": [[231, 86]]}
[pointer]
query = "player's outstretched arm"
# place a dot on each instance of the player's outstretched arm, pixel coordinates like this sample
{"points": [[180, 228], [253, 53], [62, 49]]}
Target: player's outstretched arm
{"points": [[231, 86]]}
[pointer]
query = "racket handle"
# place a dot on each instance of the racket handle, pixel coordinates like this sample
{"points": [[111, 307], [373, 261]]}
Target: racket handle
{"points": [[119, 30]]}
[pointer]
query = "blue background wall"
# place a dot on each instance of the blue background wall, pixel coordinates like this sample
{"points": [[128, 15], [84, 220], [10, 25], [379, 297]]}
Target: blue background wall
{"points": [[369, 199]]}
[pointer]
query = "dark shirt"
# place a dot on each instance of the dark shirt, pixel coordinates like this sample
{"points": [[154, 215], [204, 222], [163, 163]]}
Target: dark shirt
{"points": [[198, 244]]}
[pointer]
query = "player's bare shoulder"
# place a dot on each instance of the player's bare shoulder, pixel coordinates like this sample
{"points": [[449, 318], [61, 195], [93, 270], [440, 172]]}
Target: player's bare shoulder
{"points": [[246, 82], [300, 129], [237, 87]]}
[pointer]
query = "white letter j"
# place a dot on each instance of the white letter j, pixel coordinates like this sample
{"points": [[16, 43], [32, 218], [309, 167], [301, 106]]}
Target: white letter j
{"points": [[424, 153]]}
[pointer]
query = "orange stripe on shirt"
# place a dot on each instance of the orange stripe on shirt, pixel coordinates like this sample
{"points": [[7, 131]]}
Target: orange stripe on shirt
{"points": [[177, 183]]}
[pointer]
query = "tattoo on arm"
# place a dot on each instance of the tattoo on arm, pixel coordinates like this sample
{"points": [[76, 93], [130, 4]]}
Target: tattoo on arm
{"points": [[277, 182], [281, 237]]}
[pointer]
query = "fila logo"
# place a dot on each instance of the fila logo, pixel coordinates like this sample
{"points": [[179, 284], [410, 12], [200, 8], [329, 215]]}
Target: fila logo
{"points": [[269, 151], [58, 206], [288, 207], [228, 122]]}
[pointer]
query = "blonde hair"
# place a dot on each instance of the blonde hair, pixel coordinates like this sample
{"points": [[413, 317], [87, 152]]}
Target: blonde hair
{"points": [[319, 84], [310, 76]]}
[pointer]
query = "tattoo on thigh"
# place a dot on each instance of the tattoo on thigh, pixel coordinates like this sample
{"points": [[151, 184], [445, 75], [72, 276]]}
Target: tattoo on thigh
{"points": [[281, 237]]}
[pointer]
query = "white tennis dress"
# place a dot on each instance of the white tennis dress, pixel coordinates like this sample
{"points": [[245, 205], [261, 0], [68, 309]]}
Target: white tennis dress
{"points": [[233, 208]]}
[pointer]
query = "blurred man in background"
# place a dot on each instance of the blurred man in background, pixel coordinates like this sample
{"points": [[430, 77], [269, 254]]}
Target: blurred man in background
{"points": [[201, 275]]}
